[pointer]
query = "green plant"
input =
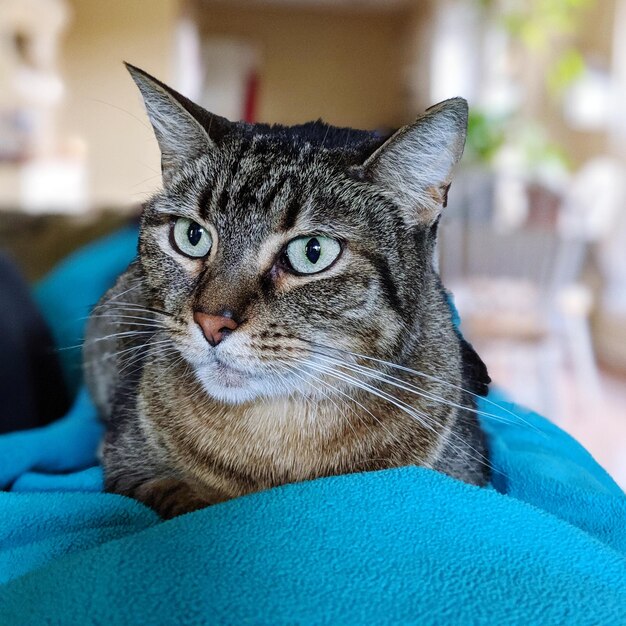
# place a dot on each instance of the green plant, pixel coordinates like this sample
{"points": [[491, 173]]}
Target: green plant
{"points": [[488, 134], [485, 135], [538, 25]]}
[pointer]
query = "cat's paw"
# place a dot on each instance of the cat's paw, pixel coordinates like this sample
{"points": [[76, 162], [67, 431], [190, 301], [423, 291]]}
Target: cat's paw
{"points": [[170, 497]]}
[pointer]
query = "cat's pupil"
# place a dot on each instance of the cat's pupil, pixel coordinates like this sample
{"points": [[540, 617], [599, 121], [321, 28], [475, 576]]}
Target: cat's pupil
{"points": [[313, 250], [194, 233]]}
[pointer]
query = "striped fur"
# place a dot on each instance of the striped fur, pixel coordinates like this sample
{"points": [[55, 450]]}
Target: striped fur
{"points": [[189, 424]]}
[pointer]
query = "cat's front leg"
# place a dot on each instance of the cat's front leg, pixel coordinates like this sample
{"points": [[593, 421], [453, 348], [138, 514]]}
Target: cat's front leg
{"points": [[171, 497], [136, 469]]}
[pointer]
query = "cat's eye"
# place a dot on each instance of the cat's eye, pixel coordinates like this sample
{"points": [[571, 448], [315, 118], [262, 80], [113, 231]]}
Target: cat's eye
{"points": [[309, 255], [190, 238]]}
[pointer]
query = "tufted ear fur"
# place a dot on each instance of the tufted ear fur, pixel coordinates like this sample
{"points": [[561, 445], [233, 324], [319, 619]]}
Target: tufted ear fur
{"points": [[415, 164], [183, 129]]}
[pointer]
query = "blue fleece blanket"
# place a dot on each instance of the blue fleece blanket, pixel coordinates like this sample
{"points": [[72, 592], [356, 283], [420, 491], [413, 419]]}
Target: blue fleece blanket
{"points": [[546, 544]]}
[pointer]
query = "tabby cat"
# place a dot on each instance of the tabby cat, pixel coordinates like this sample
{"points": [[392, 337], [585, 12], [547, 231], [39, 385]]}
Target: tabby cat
{"points": [[284, 319]]}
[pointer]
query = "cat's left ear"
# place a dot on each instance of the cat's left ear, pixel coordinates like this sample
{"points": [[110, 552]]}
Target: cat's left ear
{"points": [[414, 166]]}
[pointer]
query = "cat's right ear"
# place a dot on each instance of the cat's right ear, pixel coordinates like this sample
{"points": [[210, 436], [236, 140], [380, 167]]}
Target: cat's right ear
{"points": [[414, 166], [183, 129]]}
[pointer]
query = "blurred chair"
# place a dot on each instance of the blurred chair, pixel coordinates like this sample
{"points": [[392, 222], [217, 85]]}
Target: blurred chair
{"points": [[512, 254]]}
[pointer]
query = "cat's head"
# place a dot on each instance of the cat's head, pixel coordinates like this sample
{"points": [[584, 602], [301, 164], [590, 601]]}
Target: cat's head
{"points": [[273, 249]]}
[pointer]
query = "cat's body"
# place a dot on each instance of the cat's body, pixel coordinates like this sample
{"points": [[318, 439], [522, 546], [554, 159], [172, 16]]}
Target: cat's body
{"points": [[232, 371]]}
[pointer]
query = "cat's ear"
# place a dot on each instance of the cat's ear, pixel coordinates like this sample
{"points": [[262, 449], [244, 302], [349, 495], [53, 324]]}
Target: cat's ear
{"points": [[414, 166], [183, 129]]}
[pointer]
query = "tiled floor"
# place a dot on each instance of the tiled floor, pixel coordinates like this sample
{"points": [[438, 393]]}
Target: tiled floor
{"points": [[599, 423]]}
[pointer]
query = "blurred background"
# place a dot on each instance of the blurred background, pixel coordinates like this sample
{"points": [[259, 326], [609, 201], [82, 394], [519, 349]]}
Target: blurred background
{"points": [[533, 243]]}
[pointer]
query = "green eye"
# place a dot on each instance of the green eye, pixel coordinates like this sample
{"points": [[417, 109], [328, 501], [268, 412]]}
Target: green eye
{"points": [[309, 255], [191, 239]]}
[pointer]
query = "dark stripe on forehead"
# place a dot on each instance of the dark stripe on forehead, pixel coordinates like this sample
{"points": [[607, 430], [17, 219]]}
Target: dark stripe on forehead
{"points": [[270, 196], [203, 201], [258, 147], [246, 196], [292, 210], [386, 278], [294, 202], [225, 193]]}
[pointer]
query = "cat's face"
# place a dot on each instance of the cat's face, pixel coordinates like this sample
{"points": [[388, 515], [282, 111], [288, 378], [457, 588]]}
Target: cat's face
{"points": [[272, 249]]}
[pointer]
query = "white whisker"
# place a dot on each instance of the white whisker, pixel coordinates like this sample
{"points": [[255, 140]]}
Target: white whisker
{"points": [[416, 414], [324, 394], [409, 387], [517, 418]]}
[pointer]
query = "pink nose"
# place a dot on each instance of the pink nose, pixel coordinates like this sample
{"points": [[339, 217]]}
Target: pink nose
{"points": [[214, 327]]}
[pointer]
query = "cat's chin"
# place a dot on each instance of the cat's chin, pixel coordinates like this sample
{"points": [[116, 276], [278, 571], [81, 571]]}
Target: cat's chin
{"points": [[230, 385]]}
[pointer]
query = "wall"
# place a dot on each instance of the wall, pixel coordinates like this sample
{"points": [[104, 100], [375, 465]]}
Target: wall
{"points": [[103, 107], [338, 64], [342, 64]]}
